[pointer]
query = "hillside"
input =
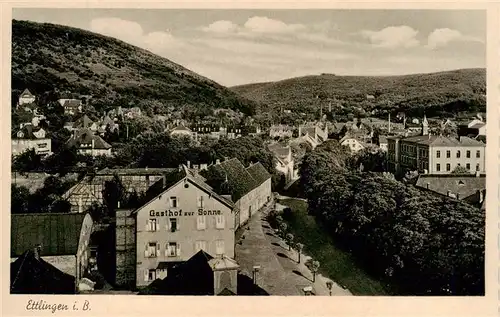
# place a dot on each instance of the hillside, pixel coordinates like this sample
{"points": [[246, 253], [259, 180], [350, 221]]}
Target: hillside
{"points": [[438, 93], [56, 59]]}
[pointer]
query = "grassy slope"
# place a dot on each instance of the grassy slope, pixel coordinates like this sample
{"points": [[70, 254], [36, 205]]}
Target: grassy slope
{"points": [[397, 92], [47, 56], [334, 262]]}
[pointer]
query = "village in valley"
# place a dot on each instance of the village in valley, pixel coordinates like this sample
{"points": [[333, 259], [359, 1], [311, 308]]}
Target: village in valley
{"points": [[120, 199]]}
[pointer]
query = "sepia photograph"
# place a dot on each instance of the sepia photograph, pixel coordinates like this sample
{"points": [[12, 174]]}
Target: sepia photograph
{"points": [[248, 152]]}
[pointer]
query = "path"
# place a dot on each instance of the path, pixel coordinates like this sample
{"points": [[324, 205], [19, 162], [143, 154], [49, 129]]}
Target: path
{"points": [[280, 274]]}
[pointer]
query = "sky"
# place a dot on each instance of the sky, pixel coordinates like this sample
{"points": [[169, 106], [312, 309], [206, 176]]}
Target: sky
{"points": [[235, 47]]}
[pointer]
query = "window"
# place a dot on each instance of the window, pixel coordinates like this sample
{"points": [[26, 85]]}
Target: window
{"points": [[467, 166], [152, 225], [173, 249], [152, 250], [219, 247], [42, 145], [448, 167], [219, 222], [174, 226], [458, 154], [201, 223], [200, 201], [467, 154], [200, 245], [477, 167], [438, 154], [173, 202], [448, 154], [478, 154], [438, 167], [151, 275]]}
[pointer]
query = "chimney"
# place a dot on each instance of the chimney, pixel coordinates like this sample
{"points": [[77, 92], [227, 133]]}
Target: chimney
{"points": [[478, 174], [217, 162], [300, 131], [118, 205], [448, 193], [458, 195], [188, 164], [37, 250], [427, 185]]}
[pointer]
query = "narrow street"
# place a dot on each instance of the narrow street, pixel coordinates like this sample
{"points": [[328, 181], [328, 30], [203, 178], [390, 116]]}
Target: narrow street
{"points": [[280, 273]]}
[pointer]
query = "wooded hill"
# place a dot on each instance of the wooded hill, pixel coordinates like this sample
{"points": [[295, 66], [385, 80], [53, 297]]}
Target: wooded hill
{"points": [[441, 93], [55, 58]]}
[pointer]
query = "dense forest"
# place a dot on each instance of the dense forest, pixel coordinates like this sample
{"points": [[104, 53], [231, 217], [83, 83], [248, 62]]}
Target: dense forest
{"points": [[437, 94], [420, 243], [52, 60]]}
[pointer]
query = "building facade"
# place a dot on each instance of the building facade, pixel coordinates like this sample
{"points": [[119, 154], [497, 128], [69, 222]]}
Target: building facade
{"points": [[59, 239], [173, 226], [431, 154], [26, 98]]}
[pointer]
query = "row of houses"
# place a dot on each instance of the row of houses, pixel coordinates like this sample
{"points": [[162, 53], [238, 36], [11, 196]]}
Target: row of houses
{"points": [[198, 131]]}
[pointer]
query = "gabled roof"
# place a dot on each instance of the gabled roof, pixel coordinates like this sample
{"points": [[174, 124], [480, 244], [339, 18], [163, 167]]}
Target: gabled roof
{"points": [[58, 234], [239, 181], [83, 122], [85, 136], [464, 185], [173, 178], [180, 128], [279, 150], [29, 275], [135, 171], [71, 103], [259, 173], [26, 93], [28, 130]]}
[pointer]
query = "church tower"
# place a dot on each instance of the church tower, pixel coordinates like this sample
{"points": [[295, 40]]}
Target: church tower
{"points": [[425, 126]]}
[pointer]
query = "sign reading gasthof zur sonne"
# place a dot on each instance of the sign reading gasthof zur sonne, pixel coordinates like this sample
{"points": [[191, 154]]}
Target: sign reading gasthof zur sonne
{"points": [[180, 213]]}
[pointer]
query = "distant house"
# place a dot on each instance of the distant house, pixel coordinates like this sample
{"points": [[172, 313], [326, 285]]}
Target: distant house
{"points": [[281, 131], [59, 239], [353, 144], [90, 189], [131, 113], [30, 137], [181, 130], [71, 106], [26, 98], [473, 128], [284, 161], [370, 97], [84, 122], [383, 143], [469, 188], [88, 143], [313, 134]]}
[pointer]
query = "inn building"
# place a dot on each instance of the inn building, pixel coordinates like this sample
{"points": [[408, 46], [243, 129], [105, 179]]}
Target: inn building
{"points": [[182, 215], [182, 218]]}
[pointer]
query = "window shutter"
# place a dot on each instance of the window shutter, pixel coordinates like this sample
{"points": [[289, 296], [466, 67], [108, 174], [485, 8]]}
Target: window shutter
{"points": [[147, 225], [166, 249], [146, 254], [146, 275], [178, 224], [223, 221], [178, 250], [204, 222], [169, 225], [157, 225], [157, 249]]}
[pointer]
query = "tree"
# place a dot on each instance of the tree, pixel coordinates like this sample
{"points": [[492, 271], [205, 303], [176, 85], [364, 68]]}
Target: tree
{"points": [[299, 247], [289, 240], [26, 161], [282, 229], [460, 170], [19, 199]]}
